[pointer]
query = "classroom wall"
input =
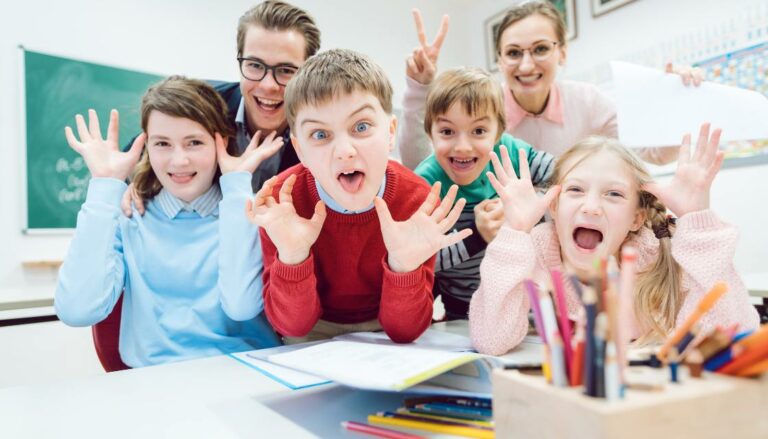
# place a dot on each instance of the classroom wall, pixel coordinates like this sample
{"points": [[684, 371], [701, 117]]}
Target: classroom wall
{"points": [[644, 29], [171, 36]]}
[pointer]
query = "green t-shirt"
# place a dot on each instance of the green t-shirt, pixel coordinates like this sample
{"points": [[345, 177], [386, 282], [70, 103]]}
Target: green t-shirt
{"points": [[540, 164]]}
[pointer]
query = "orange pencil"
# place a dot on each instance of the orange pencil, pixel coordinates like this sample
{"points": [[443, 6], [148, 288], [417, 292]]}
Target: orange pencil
{"points": [[755, 349], [577, 366], [705, 304], [754, 370]]}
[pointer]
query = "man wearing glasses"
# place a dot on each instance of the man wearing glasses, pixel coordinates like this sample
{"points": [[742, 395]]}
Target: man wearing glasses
{"points": [[274, 39]]}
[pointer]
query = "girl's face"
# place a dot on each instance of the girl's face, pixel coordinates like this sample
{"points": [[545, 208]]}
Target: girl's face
{"points": [[463, 143], [529, 59], [182, 155], [596, 209]]}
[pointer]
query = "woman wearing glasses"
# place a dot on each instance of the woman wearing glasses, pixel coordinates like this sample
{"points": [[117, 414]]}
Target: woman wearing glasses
{"points": [[548, 113]]}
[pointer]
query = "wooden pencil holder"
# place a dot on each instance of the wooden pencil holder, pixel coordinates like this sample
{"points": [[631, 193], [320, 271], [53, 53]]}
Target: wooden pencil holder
{"points": [[714, 406]]}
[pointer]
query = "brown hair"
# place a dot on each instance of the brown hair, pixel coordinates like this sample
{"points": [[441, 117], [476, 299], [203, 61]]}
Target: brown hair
{"points": [[658, 294], [331, 74], [178, 96], [280, 16], [477, 91], [524, 10]]}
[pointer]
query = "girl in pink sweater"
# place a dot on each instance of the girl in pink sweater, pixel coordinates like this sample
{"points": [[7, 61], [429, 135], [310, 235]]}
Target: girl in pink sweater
{"points": [[602, 198]]}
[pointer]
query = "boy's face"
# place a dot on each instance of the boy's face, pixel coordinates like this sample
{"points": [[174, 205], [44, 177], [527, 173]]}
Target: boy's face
{"points": [[264, 100], [182, 155], [345, 144], [463, 143]]}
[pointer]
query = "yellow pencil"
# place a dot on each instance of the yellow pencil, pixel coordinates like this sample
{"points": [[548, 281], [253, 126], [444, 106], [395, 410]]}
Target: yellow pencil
{"points": [[444, 418], [429, 426]]}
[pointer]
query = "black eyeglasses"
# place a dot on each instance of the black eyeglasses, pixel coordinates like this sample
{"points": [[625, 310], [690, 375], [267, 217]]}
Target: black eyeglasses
{"points": [[256, 70]]}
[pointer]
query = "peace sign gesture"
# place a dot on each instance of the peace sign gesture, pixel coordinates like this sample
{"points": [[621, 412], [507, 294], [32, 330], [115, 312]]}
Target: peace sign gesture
{"points": [[103, 156], [688, 191], [421, 65], [522, 207]]}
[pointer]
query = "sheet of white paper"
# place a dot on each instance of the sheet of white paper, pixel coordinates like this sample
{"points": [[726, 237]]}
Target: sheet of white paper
{"points": [[291, 378], [372, 366], [656, 109], [529, 352], [430, 339]]}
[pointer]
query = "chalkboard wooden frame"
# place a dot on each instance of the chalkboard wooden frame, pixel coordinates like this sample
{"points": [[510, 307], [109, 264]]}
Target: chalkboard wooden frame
{"points": [[54, 185]]}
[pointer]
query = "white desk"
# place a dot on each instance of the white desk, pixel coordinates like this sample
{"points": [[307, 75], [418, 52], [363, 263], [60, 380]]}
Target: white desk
{"points": [[207, 398], [214, 397]]}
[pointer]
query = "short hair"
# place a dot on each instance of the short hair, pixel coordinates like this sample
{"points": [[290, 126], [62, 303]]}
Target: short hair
{"points": [[331, 74], [477, 91], [535, 7], [280, 16], [191, 99]]}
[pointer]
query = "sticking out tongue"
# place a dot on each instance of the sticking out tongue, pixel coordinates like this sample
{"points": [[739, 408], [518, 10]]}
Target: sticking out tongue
{"points": [[351, 182], [463, 164], [587, 238]]}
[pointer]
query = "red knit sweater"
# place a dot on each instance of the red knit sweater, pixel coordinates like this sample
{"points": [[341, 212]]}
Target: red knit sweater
{"points": [[346, 278]]}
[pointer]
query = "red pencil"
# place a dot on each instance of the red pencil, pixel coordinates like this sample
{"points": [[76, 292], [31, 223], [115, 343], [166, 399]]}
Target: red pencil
{"points": [[378, 431], [577, 365]]}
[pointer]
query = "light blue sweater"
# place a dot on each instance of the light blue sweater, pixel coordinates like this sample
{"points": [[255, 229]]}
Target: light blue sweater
{"points": [[171, 271]]}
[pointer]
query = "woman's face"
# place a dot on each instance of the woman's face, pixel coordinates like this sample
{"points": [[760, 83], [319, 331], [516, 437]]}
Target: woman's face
{"points": [[529, 59]]}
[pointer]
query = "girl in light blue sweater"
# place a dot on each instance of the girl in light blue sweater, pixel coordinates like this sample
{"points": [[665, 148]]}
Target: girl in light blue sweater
{"points": [[168, 263]]}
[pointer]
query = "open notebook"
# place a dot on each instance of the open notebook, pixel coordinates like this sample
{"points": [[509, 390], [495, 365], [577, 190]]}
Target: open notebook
{"points": [[439, 362]]}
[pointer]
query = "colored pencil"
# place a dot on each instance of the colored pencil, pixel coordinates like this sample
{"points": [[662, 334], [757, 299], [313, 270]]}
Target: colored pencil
{"points": [[590, 308], [378, 431], [565, 323], [626, 292], [464, 401], [436, 420], [430, 426], [533, 297], [705, 304], [427, 417]]}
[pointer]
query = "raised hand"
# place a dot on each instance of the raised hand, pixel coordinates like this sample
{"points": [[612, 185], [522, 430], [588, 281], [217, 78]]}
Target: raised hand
{"points": [[421, 65], [523, 208], [411, 242], [689, 75], [103, 157], [489, 216], [688, 191], [253, 155], [292, 235]]}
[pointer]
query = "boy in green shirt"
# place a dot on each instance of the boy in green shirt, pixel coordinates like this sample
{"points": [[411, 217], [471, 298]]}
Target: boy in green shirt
{"points": [[465, 121]]}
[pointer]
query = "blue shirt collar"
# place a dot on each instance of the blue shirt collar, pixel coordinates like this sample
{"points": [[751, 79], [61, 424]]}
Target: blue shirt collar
{"points": [[204, 205], [336, 207]]}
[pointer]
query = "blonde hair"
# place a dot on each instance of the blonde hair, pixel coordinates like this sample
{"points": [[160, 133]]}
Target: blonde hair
{"points": [[331, 74], [280, 16], [524, 10], [191, 99], [477, 91], [658, 293]]}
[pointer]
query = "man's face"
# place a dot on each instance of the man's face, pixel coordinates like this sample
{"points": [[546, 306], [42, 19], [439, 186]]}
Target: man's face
{"points": [[345, 144], [264, 99]]}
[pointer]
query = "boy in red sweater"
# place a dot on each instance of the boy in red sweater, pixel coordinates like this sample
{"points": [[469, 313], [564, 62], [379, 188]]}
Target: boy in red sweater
{"points": [[348, 236]]}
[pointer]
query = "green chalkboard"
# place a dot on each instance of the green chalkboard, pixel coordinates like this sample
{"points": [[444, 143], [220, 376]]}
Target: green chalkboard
{"points": [[55, 90]]}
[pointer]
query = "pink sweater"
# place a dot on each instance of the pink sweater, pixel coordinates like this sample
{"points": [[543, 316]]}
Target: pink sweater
{"points": [[702, 244], [575, 110]]}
